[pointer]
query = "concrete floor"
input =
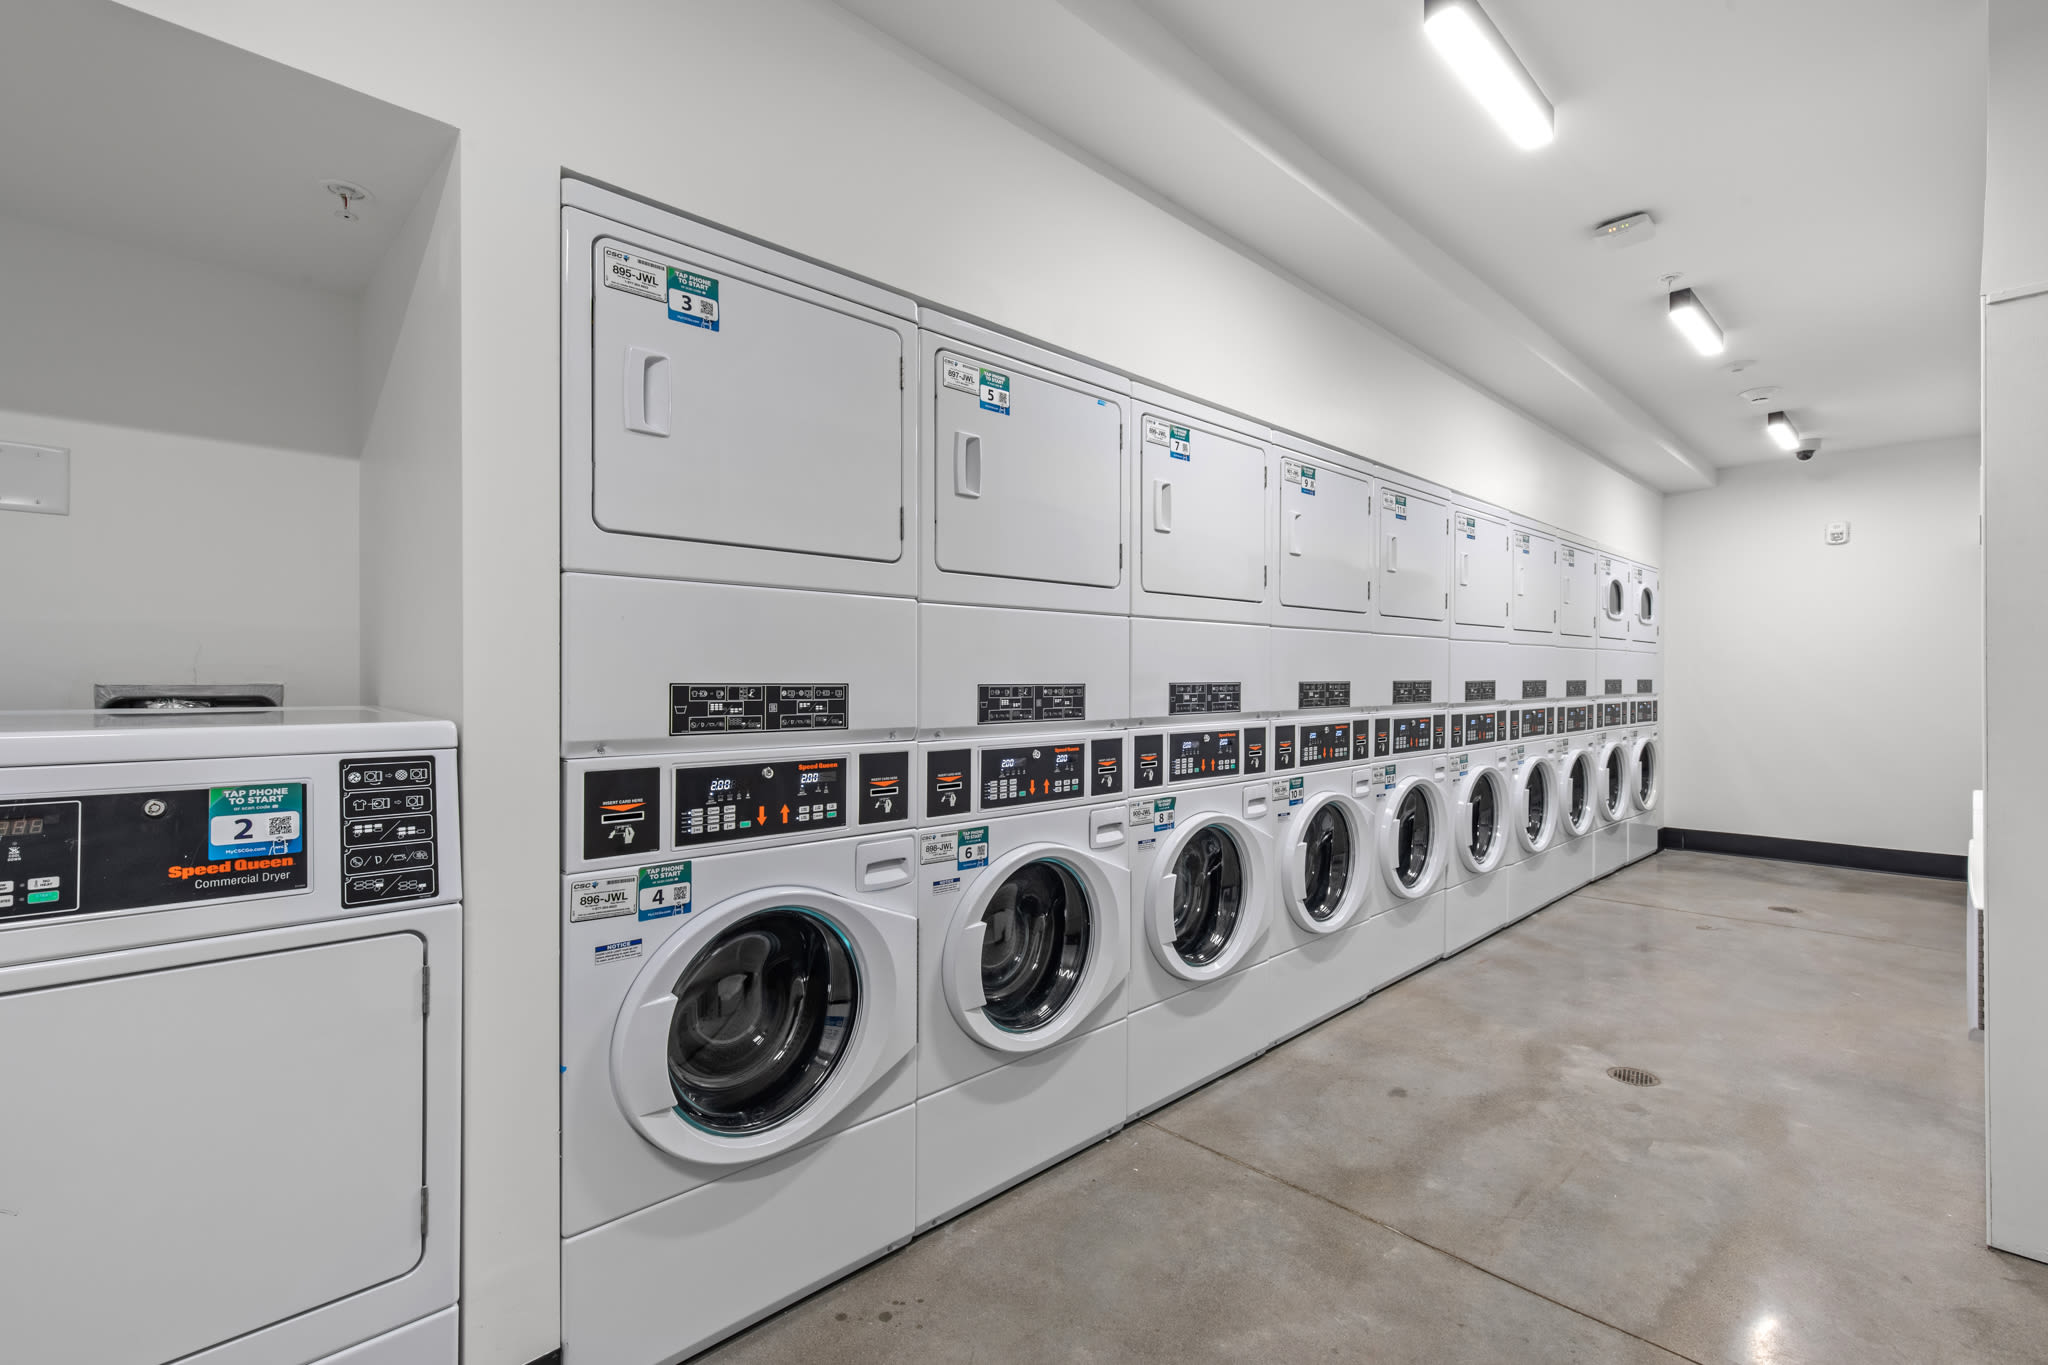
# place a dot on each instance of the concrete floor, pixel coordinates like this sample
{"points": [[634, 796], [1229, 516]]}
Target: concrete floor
{"points": [[1446, 1173]]}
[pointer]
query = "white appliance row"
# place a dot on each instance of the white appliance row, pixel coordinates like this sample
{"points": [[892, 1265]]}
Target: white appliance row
{"points": [[844, 992], [231, 985]]}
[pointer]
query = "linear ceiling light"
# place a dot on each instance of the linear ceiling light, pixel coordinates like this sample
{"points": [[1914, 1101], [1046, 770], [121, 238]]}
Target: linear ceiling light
{"points": [[1691, 318], [1782, 432], [1489, 68]]}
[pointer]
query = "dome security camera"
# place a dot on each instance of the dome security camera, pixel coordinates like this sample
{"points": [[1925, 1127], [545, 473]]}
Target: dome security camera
{"points": [[1804, 453]]}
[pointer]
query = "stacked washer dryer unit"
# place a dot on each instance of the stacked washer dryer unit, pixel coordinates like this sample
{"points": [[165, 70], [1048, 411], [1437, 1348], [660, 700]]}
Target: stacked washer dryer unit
{"points": [[1578, 635], [1328, 941], [234, 942], [1482, 768], [1412, 820], [739, 631], [1542, 872], [1024, 671], [1645, 681], [1488, 664]]}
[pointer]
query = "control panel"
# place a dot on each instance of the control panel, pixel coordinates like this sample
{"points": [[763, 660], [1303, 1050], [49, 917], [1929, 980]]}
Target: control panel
{"points": [[726, 708], [1475, 727], [1531, 722], [1646, 711], [1613, 713], [1193, 754], [1255, 749], [1402, 736], [1030, 774], [1323, 743], [751, 800], [388, 840], [1283, 748], [1576, 718]]}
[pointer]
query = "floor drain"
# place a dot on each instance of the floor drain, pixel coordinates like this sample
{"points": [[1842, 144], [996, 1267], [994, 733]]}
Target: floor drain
{"points": [[1785, 909], [1633, 1075]]}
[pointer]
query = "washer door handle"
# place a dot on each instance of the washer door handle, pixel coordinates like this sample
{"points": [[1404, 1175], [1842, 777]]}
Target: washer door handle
{"points": [[966, 965]]}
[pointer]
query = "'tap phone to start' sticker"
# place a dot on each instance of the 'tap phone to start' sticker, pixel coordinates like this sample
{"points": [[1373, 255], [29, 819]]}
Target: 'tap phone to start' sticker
{"points": [[267, 818]]}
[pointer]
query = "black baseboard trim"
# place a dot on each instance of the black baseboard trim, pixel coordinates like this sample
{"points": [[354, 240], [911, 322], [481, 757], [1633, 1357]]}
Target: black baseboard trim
{"points": [[1952, 867]]}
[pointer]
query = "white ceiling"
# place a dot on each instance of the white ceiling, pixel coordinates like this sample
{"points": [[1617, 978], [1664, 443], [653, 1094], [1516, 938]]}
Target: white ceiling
{"points": [[125, 127], [1816, 170]]}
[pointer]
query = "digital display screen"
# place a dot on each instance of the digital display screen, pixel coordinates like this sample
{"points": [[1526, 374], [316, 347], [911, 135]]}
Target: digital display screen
{"points": [[751, 800], [22, 825], [1033, 773], [1193, 754]]}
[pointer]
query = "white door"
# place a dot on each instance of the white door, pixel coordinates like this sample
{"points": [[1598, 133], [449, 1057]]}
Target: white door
{"points": [[1203, 518], [1326, 538], [1030, 474], [1415, 555], [192, 1153], [1576, 607], [1648, 617], [1480, 546], [773, 421], [1536, 582], [1612, 597]]}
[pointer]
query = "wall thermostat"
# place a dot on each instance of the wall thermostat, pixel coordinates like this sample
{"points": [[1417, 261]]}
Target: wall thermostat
{"points": [[1838, 533]]}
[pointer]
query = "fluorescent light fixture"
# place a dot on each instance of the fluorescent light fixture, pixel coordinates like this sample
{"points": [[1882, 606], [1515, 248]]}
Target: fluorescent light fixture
{"points": [[1691, 318], [1490, 70], [1782, 432]]}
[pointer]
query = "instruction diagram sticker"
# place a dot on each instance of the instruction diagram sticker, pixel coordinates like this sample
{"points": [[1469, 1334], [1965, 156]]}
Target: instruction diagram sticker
{"points": [[266, 819], [664, 890], [971, 848], [692, 298], [995, 392], [634, 274], [960, 374], [1302, 476], [602, 897]]}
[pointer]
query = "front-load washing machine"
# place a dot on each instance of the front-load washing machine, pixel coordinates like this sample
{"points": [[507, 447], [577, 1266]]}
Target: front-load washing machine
{"points": [[739, 549], [739, 1034], [1412, 838], [231, 981], [1578, 786], [1646, 779], [1201, 999], [1612, 800], [1325, 840], [1480, 782], [1024, 942], [1543, 871]]}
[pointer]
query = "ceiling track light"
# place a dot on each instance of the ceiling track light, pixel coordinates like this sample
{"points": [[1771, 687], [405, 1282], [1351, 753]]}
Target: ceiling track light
{"points": [[1781, 431], [1490, 70], [1695, 323]]}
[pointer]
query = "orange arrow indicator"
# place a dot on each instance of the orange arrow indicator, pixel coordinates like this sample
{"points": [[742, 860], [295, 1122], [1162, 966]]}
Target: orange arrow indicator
{"points": [[760, 815], [785, 815]]}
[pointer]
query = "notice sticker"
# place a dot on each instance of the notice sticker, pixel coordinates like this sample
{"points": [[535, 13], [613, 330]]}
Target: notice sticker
{"points": [[959, 374], [268, 819], [945, 886], [664, 890], [971, 848], [995, 392], [602, 897], [635, 274], [617, 952], [692, 298]]}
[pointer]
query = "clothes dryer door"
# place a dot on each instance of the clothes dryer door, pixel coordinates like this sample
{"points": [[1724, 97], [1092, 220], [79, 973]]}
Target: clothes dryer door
{"points": [[1035, 947], [1482, 814], [1324, 562], [1206, 905], [1413, 837], [752, 1028], [1326, 863]]}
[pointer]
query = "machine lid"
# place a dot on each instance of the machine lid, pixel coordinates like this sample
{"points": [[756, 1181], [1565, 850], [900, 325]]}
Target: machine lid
{"points": [[763, 1013], [39, 738], [1209, 887], [1329, 851], [1035, 937]]}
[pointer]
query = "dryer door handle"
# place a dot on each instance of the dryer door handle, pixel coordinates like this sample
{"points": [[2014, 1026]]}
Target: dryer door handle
{"points": [[1162, 506], [1294, 534], [965, 965], [966, 465], [647, 391]]}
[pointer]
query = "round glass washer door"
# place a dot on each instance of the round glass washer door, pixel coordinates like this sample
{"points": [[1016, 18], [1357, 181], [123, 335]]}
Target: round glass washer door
{"points": [[1578, 792], [1206, 906], [1030, 952], [1327, 856], [1413, 837], [760, 1019], [1647, 773], [1613, 780], [1482, 819], [1537, 806]]}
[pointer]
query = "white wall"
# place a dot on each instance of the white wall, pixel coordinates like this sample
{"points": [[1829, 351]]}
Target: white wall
{"points": [[1854, 656], [212, 535], [792, 122]]}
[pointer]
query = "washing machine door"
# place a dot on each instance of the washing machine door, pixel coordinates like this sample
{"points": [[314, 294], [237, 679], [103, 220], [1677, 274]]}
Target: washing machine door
{"points": [[1648, 772], [1611, 780], [1575, 788], [754, 1026], [1035, 947], [1206, 906], [1537, 804], [1325, 863], [1481, 816], [1413, 836]]}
